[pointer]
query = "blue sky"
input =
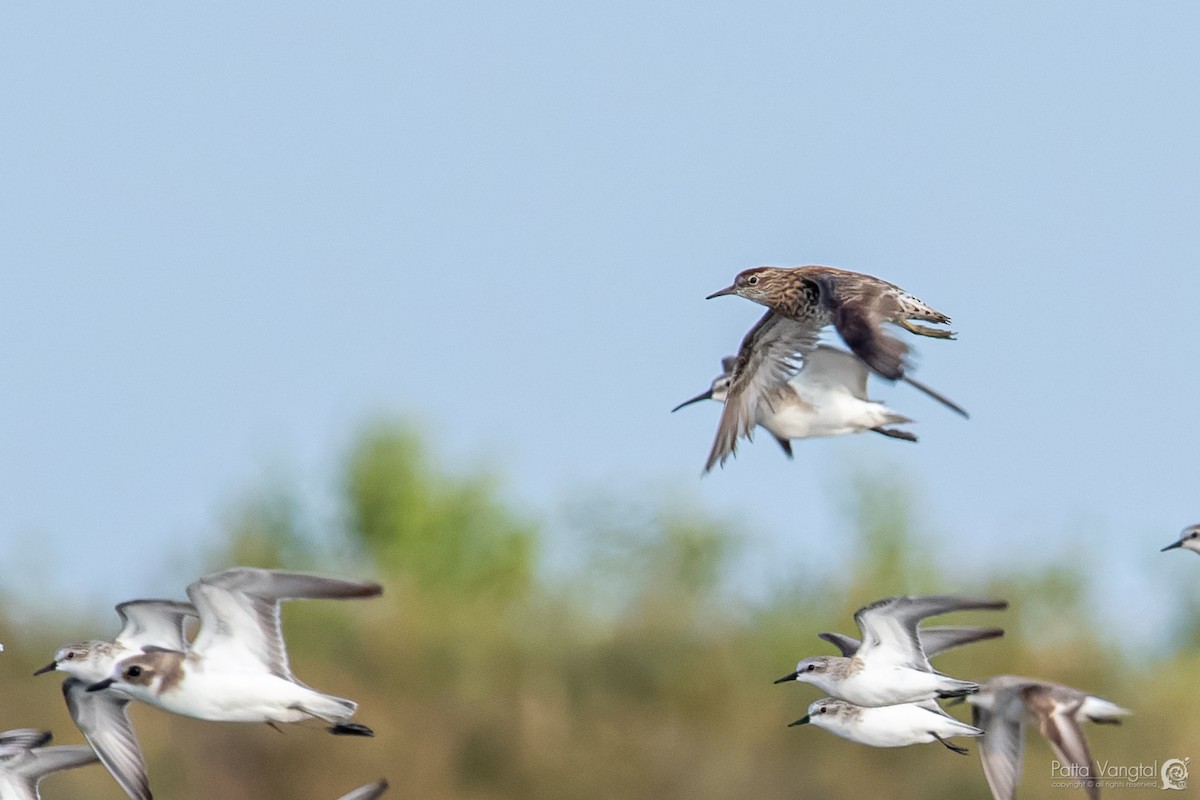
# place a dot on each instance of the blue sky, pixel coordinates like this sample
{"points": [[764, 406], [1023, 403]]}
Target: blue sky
{"points": [[232, 234]]}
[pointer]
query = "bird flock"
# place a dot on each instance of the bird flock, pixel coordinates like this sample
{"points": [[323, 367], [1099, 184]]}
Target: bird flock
{"points": [[234, 668], [882, 690], [221, 656]]}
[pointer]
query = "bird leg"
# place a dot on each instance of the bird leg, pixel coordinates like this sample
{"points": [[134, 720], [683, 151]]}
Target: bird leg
{"points": [[895, 434], [925, 330], [962, 751]]}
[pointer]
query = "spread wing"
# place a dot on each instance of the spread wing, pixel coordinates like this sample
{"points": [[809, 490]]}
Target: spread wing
{"points": [[939, 638], [1055, 715], [770, 354], [1002, 747], [24, 761], [239, 613], [158, 623], [102, 719], [934, 640], [368, 792], [889, 626], [20, 740], [847, 644], [836, 369], [858, 309]]}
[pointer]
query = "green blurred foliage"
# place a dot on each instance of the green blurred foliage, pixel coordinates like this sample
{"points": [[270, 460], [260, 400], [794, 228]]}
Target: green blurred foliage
{"points": [[445, 533], [639, 673]]}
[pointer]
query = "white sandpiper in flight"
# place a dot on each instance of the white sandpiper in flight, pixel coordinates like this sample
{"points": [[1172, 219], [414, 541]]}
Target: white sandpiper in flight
{"points": [[890, 667], [1188, 540], [25, 761], [827, 397], [102, 715], [896, 725], [1004, 705], [236, 669]]}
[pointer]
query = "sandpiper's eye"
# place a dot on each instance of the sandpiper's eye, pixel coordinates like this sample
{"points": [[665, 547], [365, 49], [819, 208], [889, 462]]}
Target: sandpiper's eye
{"points": [[133, 672], [1194, 534], [752, 280], [70, 656], [810, 668], [822, 710]]}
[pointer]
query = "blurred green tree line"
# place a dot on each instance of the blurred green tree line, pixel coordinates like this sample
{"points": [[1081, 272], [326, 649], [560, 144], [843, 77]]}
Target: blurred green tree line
{"points": [[636, 674]]}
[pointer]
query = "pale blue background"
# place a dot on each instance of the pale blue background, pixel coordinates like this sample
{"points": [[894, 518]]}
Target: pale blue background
{"points": [[231, 233]]}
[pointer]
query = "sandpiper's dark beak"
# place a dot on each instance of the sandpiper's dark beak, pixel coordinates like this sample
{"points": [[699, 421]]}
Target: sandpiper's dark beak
{"points": [[104, 684], [1172, 546], [791, 676], [702, 396], [802, 721], [53, 665], [723, 292]]}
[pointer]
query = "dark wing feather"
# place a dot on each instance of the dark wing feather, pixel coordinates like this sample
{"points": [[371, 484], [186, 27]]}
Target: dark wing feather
{"points": [[934, 640], [936, 395], [847, 644], [858, 310], [770, 354], [939, 638]]}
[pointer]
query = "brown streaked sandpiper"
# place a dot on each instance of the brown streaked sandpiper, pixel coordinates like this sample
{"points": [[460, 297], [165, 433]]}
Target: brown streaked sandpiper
{"points": [[1001, 709], [802, 301]]}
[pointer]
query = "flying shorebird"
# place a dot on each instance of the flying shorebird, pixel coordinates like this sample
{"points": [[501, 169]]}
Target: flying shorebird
{"points": [[1188, 540], [827, 397], [802, 301], [102, 716], [24, 761], [236, 669], [890, 667], [888, 726], [1007, 701]]}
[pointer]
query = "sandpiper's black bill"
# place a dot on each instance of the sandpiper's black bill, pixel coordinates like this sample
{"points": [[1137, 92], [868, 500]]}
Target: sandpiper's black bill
{"points": [[791, 676], [702, 396], [722, 293], [1172, 546], [104, 684], [53, 665], [802, 721]]}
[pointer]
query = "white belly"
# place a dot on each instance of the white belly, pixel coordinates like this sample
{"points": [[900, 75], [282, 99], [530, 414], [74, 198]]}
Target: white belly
{"points": [[237, 697], [885, 686], [827, 414]]}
